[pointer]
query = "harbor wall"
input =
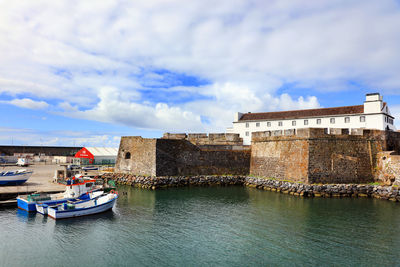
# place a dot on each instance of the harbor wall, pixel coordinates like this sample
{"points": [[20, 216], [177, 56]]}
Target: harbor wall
{"points": [[284, 158], [181, 157], [309, 155], [312, 155], [136, 155], [181, 154]]}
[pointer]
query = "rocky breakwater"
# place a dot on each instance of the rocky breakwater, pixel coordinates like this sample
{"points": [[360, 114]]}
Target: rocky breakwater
{"points": [[151, 182], [391, 193]]}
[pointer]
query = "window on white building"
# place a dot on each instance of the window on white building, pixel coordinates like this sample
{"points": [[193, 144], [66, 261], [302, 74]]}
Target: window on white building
{"points": [[318, 121], [346, 119], [247, 125], [280, 123], [247, 133], [293, 123], [305, 122], [269, 124], [362, 118], [332, 120], [257, 124]]}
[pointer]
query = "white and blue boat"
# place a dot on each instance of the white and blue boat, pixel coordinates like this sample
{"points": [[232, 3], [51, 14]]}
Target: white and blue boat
{"points": [[90, 168], [95, 205], [42, 206], [76, 187], [14, 177]]}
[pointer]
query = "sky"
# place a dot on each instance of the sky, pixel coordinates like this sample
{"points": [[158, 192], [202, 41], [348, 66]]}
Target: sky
{"points": [[85, 73]]}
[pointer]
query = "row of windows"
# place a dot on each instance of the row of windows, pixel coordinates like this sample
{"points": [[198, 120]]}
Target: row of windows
{"points": [[389, 120], [318, 121]]}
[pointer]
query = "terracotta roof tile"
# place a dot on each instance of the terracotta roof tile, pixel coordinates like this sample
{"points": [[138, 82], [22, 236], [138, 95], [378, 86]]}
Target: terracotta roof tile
{"points": [[293, 114]]}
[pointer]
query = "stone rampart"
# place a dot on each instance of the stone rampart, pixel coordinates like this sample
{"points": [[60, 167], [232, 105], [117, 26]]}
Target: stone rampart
{"points": [[177, 155], [136, 155], [311, 155], [207, 139]]}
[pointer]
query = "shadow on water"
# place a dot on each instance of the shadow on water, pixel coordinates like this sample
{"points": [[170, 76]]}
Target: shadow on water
{"points": [[108, 216], [25, 216]]}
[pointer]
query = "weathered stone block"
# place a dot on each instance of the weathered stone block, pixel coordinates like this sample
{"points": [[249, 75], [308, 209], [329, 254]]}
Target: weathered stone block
{"points": [[174, 135]]}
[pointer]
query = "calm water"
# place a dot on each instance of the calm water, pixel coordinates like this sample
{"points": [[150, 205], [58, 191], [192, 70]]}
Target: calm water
{"points": [[217, 226]]}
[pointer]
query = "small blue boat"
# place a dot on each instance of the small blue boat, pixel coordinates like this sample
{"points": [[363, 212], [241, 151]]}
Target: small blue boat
{"points": [[14, 177]]}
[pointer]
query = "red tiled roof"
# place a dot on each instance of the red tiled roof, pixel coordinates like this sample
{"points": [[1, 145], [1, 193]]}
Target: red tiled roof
{"points": [[292, 114]]}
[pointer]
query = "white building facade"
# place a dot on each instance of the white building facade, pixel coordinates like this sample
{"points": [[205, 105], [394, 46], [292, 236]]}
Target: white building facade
{"points": [[373, 114]]}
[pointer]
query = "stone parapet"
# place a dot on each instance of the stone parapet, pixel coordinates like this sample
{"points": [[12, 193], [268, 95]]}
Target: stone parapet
{"points": [[207, 139], [312, 155], [306, 133]]}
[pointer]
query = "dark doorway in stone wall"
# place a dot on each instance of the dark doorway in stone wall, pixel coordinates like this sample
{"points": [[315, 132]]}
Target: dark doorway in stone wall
{"points": [[128, 155]]}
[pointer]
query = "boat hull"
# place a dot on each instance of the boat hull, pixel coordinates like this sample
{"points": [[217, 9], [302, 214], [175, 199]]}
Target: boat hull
{"points": [[26, 205], [16, 179], [31, 206], [64, 214], [42, 206]]}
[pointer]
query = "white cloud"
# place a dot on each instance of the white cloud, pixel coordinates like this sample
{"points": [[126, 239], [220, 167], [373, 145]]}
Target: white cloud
{"points": [[115, 107], [56, 138], [27, 103], [102, 60]]}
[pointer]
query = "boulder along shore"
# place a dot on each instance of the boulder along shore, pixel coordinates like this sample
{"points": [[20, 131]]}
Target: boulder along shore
{"points": [[391, 193]]}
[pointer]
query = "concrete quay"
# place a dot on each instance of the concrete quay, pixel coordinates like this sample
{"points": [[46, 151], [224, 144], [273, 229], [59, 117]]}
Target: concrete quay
{"points": [[40, 181]]}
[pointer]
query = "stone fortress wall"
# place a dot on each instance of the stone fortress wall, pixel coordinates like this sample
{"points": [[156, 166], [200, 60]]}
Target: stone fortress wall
{"points": [[183, 154], [312, 156], [309, 156]]}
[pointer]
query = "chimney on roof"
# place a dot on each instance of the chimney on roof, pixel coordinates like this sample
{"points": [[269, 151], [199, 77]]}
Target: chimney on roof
{"points": [[237, 116], [373, 103], [373, 97]]}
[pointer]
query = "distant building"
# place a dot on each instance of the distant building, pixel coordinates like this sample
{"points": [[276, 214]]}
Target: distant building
{"points": [[97, 155], [373, 114]]}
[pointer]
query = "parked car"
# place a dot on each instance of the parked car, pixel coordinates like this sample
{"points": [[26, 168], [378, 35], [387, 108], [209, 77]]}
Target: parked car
{"points": [[73, 167], [23, 162]]}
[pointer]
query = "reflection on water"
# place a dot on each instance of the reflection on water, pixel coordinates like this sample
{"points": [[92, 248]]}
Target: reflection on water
{"points": [[219, 226]]}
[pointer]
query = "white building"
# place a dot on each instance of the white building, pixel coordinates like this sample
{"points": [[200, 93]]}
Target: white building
{"points": [[373, 114]]}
